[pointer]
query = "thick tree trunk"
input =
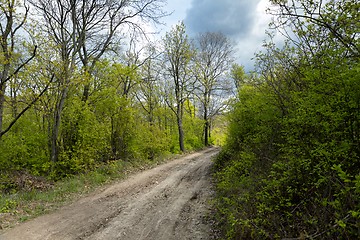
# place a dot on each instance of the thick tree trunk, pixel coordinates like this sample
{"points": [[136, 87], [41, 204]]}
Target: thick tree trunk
{"points": [[56, 126], [206, 133], [86, 93]]}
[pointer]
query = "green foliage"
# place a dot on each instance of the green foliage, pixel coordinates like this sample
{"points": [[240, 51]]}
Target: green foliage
{"points": [[7, 206], [292, 175], [23, 148], [193, 128], [290, 167], [80, 130]]}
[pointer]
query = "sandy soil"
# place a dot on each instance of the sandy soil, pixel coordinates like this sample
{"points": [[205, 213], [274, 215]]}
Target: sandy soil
{"points": [[170, 201]]}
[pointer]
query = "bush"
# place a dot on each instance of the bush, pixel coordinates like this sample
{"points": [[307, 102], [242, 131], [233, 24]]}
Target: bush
{"points": [[292, 175]]}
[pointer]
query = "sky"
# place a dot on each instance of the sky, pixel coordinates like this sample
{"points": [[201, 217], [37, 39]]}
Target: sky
{"points": [[243, 21]]}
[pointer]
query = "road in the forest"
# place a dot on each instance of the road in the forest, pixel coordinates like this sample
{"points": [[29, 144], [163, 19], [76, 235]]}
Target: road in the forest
{"points": [[170, 201]]}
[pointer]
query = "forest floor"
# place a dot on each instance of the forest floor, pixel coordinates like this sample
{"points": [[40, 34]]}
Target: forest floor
{"points": [[170, 201]]}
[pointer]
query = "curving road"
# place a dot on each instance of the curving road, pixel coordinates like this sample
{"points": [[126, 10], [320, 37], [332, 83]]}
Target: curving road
{"points": [[168, 202]]}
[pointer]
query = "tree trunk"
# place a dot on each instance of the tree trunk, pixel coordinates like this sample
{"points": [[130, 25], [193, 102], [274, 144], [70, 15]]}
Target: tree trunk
{"points": [[206, 126], [13, 95], [206, 133], [209, 129], [56, 126], [179, 116], [2, 105], [86, 93], [3, 79], [181, 134]]}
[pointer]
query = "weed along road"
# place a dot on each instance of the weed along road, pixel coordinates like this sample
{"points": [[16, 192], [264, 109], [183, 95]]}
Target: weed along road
{"points": [[170, 201]]}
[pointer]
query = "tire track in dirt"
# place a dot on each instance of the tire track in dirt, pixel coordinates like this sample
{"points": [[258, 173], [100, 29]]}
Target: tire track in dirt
{"points": [[167, 202]]}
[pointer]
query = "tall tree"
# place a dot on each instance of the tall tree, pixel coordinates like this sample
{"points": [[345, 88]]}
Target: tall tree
{"points": [[213, 59], [11, 23], [60, 23], [83, 32], [177, 56]]}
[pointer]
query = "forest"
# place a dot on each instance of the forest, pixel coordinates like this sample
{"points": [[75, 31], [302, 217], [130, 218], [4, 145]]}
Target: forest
{"points": [[291, 165], [81, 86], [82, 89]]}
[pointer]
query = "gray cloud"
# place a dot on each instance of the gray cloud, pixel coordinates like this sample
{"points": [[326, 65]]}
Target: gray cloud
{"points": [[234, 18], [243, 21]]}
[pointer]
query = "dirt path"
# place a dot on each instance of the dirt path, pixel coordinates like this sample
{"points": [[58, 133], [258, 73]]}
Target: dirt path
{"points": [[167, 202]]}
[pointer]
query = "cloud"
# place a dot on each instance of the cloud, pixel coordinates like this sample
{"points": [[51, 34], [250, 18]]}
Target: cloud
{"points": [[234, 18], [177, 10], [243, 21]]}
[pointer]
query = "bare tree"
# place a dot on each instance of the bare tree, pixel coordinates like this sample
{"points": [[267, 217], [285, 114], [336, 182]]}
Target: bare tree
{"points": [[148, 92], [213, 59], [100, 23]]}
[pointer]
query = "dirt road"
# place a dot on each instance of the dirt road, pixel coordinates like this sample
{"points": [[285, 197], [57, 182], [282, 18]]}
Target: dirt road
{"points": [[167, 202]]}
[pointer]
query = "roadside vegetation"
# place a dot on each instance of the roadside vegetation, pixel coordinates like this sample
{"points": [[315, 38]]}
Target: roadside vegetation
{"points": [[84, 97], [291, 165], [32, 195]]}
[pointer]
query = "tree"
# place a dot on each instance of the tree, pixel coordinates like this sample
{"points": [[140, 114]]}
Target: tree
{"points": [[84, 31], [11, 22], [316, 22], [60, 23], [213, 59], [114, 17], [238, 75], [177, 57], [148, 94]]}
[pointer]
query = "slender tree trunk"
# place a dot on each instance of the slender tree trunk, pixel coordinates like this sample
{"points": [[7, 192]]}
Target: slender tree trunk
{"points": [[180, 127], [14, 102], [181, 134], [206, 120], [3, 78], [206, 129], [2, 106], [114, 139], [209, 128]]}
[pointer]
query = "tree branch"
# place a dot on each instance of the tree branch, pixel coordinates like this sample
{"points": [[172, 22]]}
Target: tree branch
{"points": [[22, 65], [27, 107]]}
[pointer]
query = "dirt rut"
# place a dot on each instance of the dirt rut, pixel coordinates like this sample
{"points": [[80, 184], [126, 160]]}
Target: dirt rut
{"points": [[167, 202]]}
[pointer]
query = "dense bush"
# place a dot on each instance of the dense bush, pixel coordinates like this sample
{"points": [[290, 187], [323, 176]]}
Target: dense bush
{"points": [[296, 174], [291, 165]]}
